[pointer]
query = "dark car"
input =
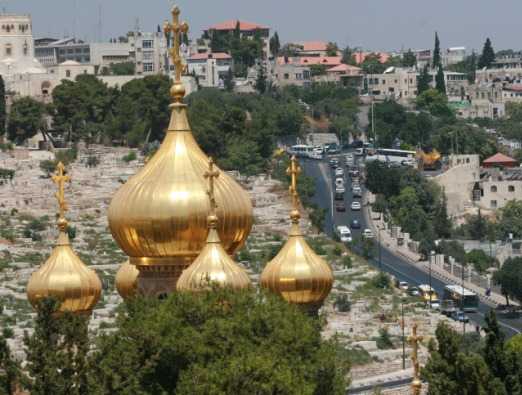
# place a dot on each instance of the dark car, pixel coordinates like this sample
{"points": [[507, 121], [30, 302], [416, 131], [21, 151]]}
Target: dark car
{"points": [[355, 224], [356, 144], [460, 316], [340, 206], [339, 196], [334, 163]]}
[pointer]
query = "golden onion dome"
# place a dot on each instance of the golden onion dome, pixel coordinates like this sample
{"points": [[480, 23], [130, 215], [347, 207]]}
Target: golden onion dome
{"points": [[127, 280], [159, 216], [64, 276], [213, 266], [297, 273]]}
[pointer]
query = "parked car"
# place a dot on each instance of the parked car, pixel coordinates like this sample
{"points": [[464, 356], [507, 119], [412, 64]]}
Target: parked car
{"points": [[402, 285], [334, 163], [339, 195], [413, 291], [339, 182], [339, 172], [356, 206], [340, 189], [448, 307], [355, 224], [359, 152], [344, 233], [356, 144], [460, 316], [367, 234], [357, 192], [340, 206]]}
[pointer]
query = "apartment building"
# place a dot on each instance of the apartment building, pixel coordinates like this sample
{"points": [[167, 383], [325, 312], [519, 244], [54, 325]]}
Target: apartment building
{"points": [[210, 69], [149, 51]]}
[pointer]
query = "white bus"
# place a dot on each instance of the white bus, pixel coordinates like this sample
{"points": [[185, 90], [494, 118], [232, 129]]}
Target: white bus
{"points": [[301, 150], [463, 298], [395, 156]]}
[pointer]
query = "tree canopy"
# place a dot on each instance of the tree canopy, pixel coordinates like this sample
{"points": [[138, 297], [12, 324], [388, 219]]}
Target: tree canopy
{"points": [[488, 55], [26, 119]]}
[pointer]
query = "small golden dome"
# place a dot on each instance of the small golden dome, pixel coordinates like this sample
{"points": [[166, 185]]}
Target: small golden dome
{"points": [[213, 265], [64, 276], [297, 273], [159, 216], [127, 280]]}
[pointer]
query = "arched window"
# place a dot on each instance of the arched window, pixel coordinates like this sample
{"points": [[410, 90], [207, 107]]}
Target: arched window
{"points": [[26, 49], [511, 188], [8, 49], [493, 188]]}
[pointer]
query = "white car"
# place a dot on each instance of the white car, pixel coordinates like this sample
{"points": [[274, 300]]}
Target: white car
{"points": [[359, 152], [344, 233], [367, 234], [356, 206], [339, 172], [339, 182], [340, 189], [357, 192]]}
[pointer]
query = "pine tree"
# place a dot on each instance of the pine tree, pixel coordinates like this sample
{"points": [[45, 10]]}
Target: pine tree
{"points": [[423, 82], [275, 44], [229, 81], [261, 83], [409, 59], [3, 117], [488, 55], [436, 52], [472, 71], [440, 83]]}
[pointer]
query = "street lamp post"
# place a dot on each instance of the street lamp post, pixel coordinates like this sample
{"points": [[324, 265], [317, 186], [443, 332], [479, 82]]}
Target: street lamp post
{"points": [[403, 337], [432, 255], [462, 300], [380, 249]]}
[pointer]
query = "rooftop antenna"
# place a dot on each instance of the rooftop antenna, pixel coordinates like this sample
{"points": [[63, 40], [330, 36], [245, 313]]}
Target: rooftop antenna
{"points": [[100, 22]]}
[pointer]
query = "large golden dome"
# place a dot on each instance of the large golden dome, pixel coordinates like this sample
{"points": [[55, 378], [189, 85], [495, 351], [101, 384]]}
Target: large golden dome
{"points": [[64, 276], [297, 273], [213, 266], [126, 280], [159, 216]]}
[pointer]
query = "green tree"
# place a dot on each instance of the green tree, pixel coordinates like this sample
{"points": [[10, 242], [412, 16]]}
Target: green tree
{"points": [[57, 352], [26, 119], [3, 113], [261, 81], [229, 81], [488, 55], [435, 102], [216, 342], [10, 373], [511, 219], [409, 59], [437, 61], [332, 49], [509, 277], [480, 260], [373, 64], [440, 81], [125, 68], [275, 44], [423, 82]]}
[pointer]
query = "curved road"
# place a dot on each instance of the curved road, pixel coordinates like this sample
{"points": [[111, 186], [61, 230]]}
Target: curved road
{"points": [[393, 264]]}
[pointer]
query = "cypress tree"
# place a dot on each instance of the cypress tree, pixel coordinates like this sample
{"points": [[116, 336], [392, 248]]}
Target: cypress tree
{"points": [[436, 52], [3, 114], [423, 82], [440, 84], [275, 44], [488, 55]]}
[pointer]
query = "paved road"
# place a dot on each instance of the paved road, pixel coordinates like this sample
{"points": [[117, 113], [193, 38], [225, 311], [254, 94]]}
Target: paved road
{"points": [[393, 264]]}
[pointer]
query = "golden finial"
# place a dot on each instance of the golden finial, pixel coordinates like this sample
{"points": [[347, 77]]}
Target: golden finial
{"points": [[293, 171], [60, 179], [414, 340], [211, 175], [176, 28]]}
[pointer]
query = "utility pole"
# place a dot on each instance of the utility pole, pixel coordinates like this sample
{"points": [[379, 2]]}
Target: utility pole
{"points": [[432, 255], [380, 248], [403, 337], [462, 300]]}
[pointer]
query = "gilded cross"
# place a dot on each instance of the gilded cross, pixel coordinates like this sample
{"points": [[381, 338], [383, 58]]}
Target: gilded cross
{"points": [[60, 179], [211, 175], [177, 29], [293, 171], [414, 340]]}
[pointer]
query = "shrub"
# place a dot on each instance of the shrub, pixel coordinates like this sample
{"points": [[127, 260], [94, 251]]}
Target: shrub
{"points": [[130, 157]]}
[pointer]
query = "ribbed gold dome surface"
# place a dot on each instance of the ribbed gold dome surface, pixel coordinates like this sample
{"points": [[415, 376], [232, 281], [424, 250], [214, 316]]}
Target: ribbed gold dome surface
{"points": [[64, 276], [126, 280], [213, 266], [297, 273], [161, 212]]}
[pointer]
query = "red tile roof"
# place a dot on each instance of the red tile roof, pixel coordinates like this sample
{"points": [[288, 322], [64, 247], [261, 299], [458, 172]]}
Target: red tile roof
{"points": [[499, 158], [214, 55], [309, 60], [243, 26], [343, 68], [314, 45], [361, 56]]}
